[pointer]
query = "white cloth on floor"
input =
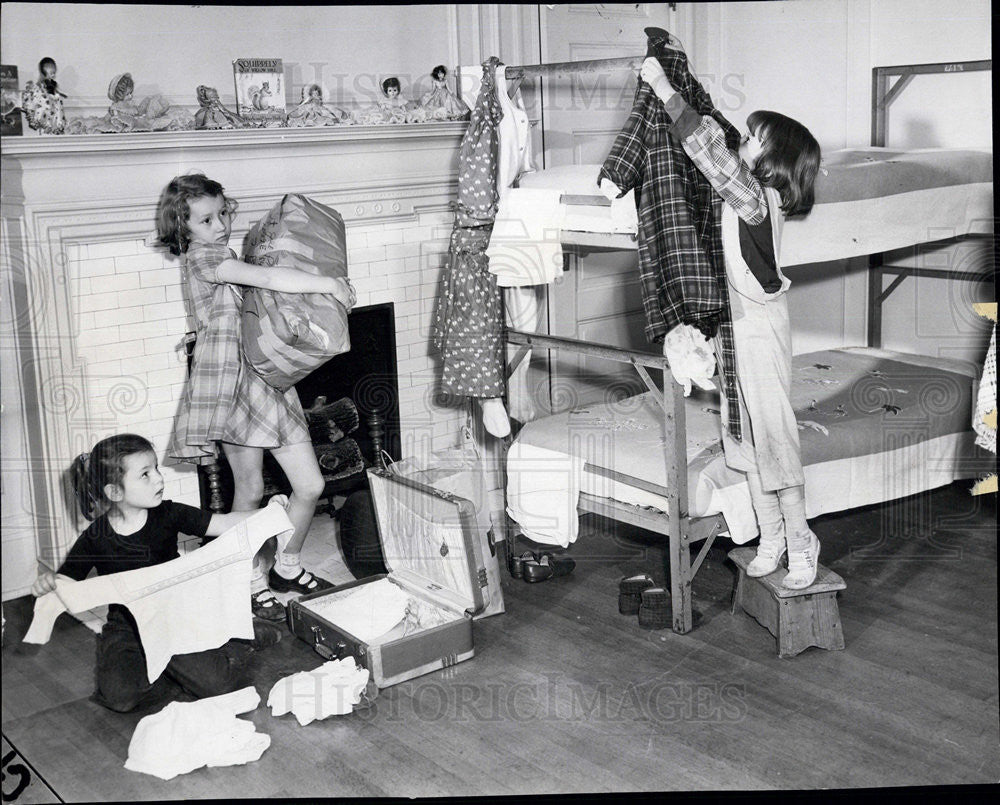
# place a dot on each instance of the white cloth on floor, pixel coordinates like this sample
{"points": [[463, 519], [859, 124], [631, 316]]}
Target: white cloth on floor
{"points": [[986, 400], [330, 690], [185, 736], [366, 612], [524, 247], [193, 603], [543, 491]]}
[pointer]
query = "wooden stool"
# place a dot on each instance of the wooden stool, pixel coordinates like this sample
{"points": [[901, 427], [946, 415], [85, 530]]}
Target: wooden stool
{"points": [[797, 618]]}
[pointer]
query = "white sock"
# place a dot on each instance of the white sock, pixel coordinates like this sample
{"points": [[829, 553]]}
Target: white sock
{"points": [[793, 509], [767, 507], [288, 565], [257, 581], [495, 418]]}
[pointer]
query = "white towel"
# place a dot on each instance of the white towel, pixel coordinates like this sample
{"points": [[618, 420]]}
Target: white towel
{"points": [[543, 491], [185, 736], [330, 690], [525, 246]]}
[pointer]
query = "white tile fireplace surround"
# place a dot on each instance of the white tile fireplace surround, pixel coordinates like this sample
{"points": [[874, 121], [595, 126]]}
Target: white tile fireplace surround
{"points": [[92, 332]]}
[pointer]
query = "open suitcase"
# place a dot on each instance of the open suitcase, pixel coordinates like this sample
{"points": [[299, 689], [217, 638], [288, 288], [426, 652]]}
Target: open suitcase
{"points": [[432, 551]]}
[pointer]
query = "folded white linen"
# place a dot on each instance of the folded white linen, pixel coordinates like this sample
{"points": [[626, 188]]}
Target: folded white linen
{"points": [[524, 247]]}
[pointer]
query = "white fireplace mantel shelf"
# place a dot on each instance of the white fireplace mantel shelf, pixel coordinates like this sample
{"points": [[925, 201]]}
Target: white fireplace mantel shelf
{"points": [[75, 144], [367, 172]]}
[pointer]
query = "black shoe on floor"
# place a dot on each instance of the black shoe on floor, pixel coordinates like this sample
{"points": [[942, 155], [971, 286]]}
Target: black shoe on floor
{"points": [[303, 583], [655, 611], [266, 607], [629, 591]]}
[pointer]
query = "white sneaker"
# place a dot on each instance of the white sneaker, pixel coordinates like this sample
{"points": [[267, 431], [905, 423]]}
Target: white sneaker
{"points": [[768, 557], [803, 560]]}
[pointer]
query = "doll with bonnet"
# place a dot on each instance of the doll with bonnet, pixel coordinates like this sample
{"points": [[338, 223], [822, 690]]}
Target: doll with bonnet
{"points": [[312, 112]]}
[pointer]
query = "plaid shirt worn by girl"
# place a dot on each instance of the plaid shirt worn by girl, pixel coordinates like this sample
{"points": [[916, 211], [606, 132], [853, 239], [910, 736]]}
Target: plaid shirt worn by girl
{"points": [[225, 400], [681, 266]]}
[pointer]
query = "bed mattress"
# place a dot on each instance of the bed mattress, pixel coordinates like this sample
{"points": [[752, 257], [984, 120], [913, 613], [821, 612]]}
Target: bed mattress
{"points": [[867, 200], [875, 425]]}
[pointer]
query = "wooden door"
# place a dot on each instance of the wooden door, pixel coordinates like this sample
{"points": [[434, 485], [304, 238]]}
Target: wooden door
{"points": [[599, 299]]}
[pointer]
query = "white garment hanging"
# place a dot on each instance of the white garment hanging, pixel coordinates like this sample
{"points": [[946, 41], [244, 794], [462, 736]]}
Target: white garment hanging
{"points": [[185, 736], [330, 690], [986, 399], [514, 157], [193, 603], [524, 247], [543, 492]]}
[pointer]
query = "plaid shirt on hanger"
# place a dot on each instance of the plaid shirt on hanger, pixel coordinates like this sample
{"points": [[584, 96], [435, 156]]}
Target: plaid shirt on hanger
{"points": [[681, 263]]}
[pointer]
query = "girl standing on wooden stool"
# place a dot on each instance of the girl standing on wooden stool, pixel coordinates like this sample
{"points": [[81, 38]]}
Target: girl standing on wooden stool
{"points": [[225, 401], [771, 177]]}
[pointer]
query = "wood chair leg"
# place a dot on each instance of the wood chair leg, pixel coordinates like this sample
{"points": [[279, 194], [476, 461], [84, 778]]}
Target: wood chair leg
{"points": [[214, 473]]}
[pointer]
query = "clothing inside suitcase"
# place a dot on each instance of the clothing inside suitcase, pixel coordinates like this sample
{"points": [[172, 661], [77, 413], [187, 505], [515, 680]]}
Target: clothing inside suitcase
{"points": [[432, 552]]}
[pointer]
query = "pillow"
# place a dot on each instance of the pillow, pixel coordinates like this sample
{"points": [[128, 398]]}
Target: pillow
{"points": [[286, 336]]}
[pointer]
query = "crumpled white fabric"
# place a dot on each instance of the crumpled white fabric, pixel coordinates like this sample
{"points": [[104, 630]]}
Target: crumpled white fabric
{"points": [[691, 357], [185, 736], [367, 612], [332, 689]]}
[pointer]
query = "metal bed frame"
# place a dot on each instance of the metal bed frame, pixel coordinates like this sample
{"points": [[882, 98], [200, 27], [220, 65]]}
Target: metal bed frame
{"points": [[675, 523]]}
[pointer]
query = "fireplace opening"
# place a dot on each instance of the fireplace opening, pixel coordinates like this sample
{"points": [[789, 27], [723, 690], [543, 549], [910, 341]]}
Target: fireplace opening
{"points": [[365, 379]]}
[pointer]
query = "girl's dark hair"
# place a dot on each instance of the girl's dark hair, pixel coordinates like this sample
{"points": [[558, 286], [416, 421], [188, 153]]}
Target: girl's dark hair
{"points": [[788, 161], [173, 210], [390, 82], [439, 69], [104, 465]]}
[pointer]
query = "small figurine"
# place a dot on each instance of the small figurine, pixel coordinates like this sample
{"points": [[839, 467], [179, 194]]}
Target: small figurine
{"points": [[440, 103], [212, 114], [312, 112], [42, 101], [124, 115]]}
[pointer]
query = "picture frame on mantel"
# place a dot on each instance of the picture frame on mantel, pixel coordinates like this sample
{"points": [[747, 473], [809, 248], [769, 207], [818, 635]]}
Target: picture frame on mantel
{"points": [[260, 91], [11, 124]]}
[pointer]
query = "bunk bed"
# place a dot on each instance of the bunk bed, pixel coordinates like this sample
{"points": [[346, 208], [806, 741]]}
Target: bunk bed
{"points": [[869, 201]]}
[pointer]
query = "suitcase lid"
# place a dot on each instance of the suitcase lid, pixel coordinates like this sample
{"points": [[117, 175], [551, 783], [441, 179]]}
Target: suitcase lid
{"points": [[429, 540]]}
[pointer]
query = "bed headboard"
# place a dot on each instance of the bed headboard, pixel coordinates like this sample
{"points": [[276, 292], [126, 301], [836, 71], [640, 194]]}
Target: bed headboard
{"points": [[883, 94]]}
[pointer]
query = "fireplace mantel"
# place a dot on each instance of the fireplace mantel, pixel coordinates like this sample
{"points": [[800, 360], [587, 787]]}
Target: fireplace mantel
{"points": [[71, 198]]}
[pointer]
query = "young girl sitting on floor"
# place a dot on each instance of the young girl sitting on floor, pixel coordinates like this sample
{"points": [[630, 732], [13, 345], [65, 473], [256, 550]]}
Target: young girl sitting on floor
{"points": [[225, 400], [120, 485], [771, 177]]}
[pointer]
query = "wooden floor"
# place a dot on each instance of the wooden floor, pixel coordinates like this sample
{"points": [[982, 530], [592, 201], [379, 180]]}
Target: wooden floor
{"points": [[566, 695]]}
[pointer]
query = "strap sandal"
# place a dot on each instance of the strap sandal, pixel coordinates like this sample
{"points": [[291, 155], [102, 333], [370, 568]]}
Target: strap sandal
{"points": [[266, 607], [546, 566], [629, 591], [655, 611], [303, 583]]}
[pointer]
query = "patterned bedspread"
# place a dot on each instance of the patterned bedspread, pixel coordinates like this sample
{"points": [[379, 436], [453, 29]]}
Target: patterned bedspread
{"points": [[874, 425]]}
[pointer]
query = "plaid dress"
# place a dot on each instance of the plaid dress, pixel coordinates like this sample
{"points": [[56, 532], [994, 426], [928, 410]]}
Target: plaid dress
{"points": [[681, 266], [225, 400], [467, 327]]}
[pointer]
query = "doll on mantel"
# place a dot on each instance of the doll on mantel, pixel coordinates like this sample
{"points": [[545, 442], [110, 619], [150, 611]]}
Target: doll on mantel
{"points": [[312, 112], [212, 114], [42, 102], [440, 103]]}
